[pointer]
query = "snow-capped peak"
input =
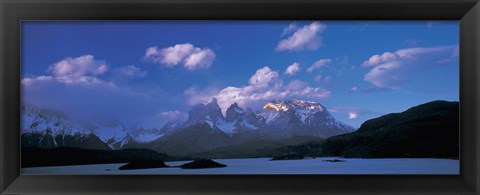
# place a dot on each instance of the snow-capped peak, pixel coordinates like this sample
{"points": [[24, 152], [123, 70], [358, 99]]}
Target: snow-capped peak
{"points": [[234, 112], [301, 104], [276, 106], [210, 113], [44, 120]]}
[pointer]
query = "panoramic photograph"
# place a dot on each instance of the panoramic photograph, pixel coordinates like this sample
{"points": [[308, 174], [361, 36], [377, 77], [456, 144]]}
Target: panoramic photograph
{"points": [[240, 97]]}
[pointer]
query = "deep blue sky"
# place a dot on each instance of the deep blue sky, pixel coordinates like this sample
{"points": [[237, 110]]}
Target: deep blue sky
{"points": [[147, 73]]}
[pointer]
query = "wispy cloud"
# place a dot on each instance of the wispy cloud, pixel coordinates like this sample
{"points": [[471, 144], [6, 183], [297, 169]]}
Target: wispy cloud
{"points": [[392, 69], [289, 29], [375, 89], [353, 89], [131, 71], [344, 60], [319, 64], [190, 56], [305, 38], [354, 112], [292, 69], [363, 25]]}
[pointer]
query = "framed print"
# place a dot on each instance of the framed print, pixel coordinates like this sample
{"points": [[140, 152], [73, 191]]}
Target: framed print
{"points": [[239, 97]]}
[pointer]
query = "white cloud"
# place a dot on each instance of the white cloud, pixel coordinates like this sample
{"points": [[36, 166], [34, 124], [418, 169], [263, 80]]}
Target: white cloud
{"points": [[292, 69], [201, 58], [289, 29], [354, 112], [190, 56], [354, 89], [264, 85], [196, 96], [352, 115], [173, 115], [132, 71], [319, 64], [170, 56], [32, 80], [80, 70], [377, 59], [83, 69], [263, 77], [307, 37], [392, 69]]}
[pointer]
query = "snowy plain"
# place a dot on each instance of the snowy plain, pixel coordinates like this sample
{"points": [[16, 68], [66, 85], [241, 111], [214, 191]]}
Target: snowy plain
{"points": [[265, 166]]}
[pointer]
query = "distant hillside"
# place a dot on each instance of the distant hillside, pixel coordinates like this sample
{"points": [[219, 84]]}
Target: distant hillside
{"points": [[37, 157], [260, 148], [427, 130]]}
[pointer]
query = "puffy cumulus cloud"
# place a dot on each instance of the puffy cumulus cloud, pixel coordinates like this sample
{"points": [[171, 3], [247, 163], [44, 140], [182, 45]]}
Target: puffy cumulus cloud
{"points": [[132, 71], [170, 56], [190, 56], [392, 69], [377, 59], [83, 69], [264, 85], [319, 64], [307, 37], [263, 77], [200, 58], [292, 69], [79, 70]]}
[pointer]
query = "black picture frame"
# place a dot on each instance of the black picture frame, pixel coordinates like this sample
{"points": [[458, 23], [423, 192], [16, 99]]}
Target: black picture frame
{"points": [[12, 12]]}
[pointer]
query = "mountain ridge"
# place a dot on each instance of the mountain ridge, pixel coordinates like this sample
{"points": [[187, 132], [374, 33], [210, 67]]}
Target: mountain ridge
{"points": [[205, 129], [426, 130]]}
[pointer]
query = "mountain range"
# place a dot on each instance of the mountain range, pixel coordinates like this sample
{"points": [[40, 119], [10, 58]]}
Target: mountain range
{"points": [[283, 127], [205, 129]]}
